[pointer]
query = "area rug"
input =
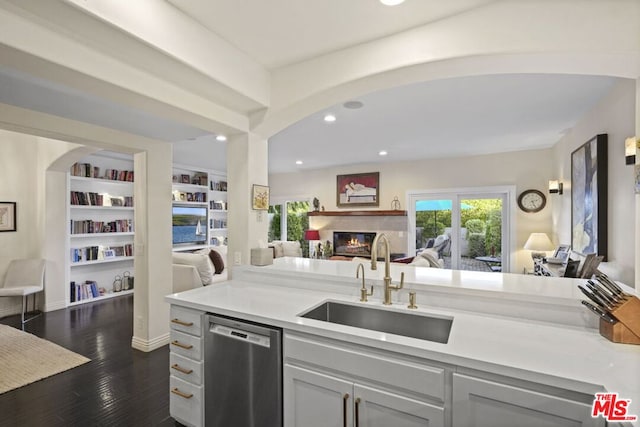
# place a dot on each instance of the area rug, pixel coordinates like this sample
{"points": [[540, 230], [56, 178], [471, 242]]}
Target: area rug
{"points": [[25, 358]]}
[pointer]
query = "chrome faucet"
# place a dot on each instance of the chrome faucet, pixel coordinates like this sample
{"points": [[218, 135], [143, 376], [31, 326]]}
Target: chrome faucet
{"points": [[388, 287], [363, 290]]}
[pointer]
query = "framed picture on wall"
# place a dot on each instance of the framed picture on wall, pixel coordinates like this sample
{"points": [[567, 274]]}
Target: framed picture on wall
{"points": [[260, 197], [8, 216], [589, 197], [358, 189]]}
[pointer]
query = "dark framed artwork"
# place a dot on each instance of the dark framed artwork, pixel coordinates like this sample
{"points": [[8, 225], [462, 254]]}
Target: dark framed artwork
{"points": [[260, 197], [589, 197], [8, 216], [358, 189]]}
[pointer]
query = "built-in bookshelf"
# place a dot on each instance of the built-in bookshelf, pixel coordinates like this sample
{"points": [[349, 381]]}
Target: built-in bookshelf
{"points": [[198, 188], [101, 227]]}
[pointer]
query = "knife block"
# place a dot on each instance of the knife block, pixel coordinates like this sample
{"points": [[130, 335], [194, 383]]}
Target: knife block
{"points": [[627, 329]]}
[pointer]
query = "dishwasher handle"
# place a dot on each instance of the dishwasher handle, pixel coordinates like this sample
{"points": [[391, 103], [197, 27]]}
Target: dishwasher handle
{"points": [[240, 335]]}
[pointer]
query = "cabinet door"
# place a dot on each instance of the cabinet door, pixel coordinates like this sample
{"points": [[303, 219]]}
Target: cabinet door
{"points": [[482, 403], [377, 408], [312, 399]]}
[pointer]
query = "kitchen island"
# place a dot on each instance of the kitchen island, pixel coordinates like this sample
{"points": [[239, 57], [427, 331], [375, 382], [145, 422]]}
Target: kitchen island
{"points": [[521, 350]]}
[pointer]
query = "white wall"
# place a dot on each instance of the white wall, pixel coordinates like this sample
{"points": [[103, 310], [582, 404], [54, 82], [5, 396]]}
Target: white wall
{"points": [[524, 169], [22, 180], [615, 116]]}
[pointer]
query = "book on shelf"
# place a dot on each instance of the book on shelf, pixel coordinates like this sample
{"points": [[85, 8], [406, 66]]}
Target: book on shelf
{"points": [[89, 226], [87, 170], [219, 205], [82, 198], [83, 291], [180, 196], [99, 252], [217, 223], [218, 185]]}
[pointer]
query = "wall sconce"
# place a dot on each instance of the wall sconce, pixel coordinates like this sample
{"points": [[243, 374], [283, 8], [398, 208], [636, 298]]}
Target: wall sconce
{"points": [[630, 150], [555, 187]]}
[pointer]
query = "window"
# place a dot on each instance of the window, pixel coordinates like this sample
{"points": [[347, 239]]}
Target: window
{"points": [[469, 228]]}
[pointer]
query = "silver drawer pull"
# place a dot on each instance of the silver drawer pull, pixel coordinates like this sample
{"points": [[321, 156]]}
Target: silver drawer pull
{"points": [[179, 344], [181, 322], [181, 393], [181, 369]]}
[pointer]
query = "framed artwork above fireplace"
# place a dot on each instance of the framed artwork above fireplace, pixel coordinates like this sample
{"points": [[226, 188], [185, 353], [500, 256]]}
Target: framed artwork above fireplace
{"points": [[358, 189]]}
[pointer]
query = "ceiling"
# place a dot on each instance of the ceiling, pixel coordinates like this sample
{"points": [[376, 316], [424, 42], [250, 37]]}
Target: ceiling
{"points": [[435, 119], [264, 29], [442, 118]]}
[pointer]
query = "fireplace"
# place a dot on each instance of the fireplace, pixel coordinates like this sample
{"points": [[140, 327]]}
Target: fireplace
{"points": [[353, 243]]}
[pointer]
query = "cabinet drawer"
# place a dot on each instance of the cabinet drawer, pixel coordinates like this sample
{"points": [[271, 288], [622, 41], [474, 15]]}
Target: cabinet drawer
{"points": [[186, 320], [389, 369], [186, 345], [479, 402], [186, 402], [185, 369]]}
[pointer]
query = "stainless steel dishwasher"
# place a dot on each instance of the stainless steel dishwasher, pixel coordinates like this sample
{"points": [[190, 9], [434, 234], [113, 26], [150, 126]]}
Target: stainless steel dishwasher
{"points": [[242, 373]]}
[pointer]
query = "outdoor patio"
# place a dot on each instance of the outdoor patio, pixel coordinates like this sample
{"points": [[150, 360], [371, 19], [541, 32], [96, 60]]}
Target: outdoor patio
{"points": [[469, 264]]}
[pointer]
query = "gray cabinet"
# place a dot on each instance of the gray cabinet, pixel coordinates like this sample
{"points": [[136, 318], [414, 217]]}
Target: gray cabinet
{"points": [[315, 399], [480, 402], [186, 367]]}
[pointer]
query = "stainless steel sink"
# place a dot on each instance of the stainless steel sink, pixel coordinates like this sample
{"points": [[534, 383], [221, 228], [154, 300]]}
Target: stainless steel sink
{"points": [[393, 322]]}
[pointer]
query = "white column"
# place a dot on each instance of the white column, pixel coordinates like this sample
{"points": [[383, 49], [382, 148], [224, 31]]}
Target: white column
{"points": [[247, 164], [153, 278]]}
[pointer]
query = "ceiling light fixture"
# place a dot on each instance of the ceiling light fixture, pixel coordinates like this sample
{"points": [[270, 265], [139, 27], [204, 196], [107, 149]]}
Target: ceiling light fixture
{"points": [[329, 118], [353, 105], [298, 162], [391, 2], [382, 153], [221, 138]]}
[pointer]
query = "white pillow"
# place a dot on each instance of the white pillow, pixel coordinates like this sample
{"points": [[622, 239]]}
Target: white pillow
{"points": [[431, 256], [291, 249], [420, 262], [201, 262], [278, 249]]}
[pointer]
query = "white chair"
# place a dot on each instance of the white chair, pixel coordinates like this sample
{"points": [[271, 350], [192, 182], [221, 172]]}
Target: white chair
{"points": [[24, 277]]}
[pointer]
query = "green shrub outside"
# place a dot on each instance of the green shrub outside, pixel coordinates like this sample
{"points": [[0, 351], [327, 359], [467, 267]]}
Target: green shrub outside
{"points": [[476, 244], [493, 234]]}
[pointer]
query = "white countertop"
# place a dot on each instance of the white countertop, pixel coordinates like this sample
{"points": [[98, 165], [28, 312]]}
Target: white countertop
{"points": [[559, 355]]}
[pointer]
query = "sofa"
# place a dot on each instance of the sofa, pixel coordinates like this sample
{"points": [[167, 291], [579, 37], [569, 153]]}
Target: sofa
{"points": [[282, 248], [200, 268], [428, 258]]}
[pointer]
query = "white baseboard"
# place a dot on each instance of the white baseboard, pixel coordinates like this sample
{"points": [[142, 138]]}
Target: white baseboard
{"points": [[55, 305], [149, 345]]}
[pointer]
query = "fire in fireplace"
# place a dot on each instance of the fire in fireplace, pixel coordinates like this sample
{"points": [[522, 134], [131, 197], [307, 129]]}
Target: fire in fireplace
{"points": [[352, 243]]}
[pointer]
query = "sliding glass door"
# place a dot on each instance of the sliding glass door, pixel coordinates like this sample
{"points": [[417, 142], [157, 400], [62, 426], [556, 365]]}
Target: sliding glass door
{"points": [[468, 228]]}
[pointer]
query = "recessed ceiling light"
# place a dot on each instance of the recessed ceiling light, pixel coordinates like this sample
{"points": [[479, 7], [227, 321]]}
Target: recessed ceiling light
{"points": [[298, 162], [391, 2], [221, 138], [353, 105], [382, 153], [329, 118]]}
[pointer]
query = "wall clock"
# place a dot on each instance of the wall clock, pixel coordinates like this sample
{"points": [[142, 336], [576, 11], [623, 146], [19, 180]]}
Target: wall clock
{"points": [[532, 200]]}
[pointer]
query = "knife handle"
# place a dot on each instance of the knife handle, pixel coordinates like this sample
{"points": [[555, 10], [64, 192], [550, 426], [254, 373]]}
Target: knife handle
{"points": [[604, 315], [603, 295], [605, 279], [593, 298]]}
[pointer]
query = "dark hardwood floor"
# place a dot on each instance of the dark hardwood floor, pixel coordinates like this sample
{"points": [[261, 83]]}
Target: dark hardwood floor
{"points": [[119, 387]]}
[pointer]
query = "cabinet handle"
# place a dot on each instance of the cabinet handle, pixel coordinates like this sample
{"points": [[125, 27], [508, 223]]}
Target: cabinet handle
{"points": [[181, 322], [179, 344], [181, 369], [181, 393], [345, 398], [357, 412]]}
